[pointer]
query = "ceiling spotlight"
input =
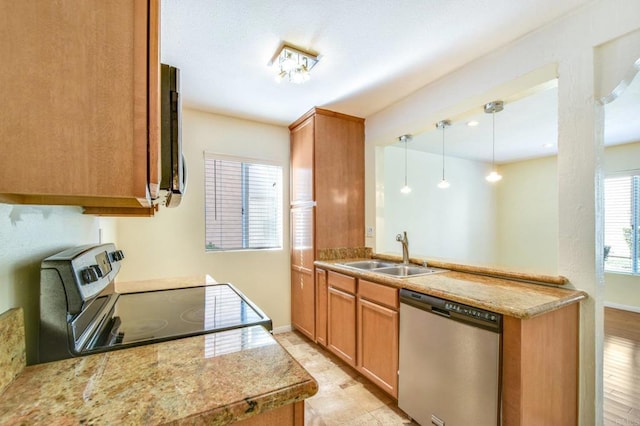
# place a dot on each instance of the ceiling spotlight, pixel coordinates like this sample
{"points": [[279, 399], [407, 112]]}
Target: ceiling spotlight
{"points": [[293, 64], [492, 108], [473, 123]]}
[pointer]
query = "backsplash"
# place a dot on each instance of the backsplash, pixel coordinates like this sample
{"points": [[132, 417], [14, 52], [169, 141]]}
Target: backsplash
{"points": [[345, 253], [12, 350]]}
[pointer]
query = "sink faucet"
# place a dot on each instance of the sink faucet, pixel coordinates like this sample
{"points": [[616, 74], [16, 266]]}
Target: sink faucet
{"points": [[402, 238]]}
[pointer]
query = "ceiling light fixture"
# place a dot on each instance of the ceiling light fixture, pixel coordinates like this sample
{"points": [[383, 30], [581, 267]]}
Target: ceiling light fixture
{"points": [[405, 138], [492, 108], [293, 63], [441, 125], [473, 123]]}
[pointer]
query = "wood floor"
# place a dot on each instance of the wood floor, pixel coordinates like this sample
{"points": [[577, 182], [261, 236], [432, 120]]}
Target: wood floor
{"points": [[621, 369]]}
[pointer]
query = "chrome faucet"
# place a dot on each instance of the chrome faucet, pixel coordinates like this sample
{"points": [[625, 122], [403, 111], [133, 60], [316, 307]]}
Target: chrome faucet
{"points": [[402, 238]]}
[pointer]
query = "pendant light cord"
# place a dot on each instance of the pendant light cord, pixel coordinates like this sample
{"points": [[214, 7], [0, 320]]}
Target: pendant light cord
{"points": [[405, 162], [443, 152], [493, 145]]}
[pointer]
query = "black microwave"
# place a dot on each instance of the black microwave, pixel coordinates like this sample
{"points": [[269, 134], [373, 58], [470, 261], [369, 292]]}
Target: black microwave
{"points": [[173, 179]]}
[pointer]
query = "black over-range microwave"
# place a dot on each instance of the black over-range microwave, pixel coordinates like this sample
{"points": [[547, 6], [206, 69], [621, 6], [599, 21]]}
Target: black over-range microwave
{"points": [[173, 180]]}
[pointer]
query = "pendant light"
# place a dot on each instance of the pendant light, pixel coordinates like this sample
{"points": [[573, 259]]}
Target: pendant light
{"points": [[441, 125], [405, 138], [492, 108]]}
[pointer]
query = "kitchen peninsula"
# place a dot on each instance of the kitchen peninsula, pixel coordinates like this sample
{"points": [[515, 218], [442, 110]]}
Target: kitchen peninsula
{"points": [[539, 348]]}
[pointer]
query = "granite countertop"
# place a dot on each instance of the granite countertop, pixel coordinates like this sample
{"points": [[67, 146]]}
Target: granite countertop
{"points": [[496, 294], [212, 379]]}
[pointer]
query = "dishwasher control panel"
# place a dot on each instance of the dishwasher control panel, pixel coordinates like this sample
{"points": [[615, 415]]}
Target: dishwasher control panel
{"points": [[472, 312], [453, 310]]}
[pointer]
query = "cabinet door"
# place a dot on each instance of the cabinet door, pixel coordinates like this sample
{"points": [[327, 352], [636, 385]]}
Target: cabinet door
{"points": [[302, 238], [302, 145], [78, 123], [341, 325], [303, 302], [339, 189], [321, 307], [378, 345]]}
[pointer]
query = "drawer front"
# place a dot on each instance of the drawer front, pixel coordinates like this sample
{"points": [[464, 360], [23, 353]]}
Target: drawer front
{"points": [[342, 282], [382, 294]]}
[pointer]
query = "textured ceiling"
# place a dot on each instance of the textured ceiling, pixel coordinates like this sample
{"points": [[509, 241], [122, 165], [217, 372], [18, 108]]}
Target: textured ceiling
{"points": [[374, 52]]}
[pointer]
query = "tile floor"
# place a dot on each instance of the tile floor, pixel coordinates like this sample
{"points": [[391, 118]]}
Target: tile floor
{"points": [[344, 397]]}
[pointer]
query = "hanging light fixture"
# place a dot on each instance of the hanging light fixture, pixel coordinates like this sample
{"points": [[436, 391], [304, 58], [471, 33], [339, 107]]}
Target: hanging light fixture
{"points": [[293, 64], [405, 138], [444, 184], [492, 108]]}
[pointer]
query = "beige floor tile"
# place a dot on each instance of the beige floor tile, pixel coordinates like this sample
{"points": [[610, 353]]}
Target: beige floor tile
{"points": [[344, 397]]}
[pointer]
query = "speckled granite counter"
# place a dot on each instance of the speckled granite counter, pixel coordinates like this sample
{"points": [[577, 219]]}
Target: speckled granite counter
{"points": [[212, 379], [508, 297]]}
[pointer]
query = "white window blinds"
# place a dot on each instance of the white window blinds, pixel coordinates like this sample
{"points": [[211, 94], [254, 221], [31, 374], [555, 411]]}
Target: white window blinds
{"points": [[621, 219], [243, 204]]}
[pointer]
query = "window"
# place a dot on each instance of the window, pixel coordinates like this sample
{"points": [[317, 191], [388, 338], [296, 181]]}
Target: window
{"points": [[243, 204], [621, 220]]}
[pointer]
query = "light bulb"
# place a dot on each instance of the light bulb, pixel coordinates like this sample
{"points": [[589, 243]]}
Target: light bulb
{"points": [[405, 189], [288, 64], [297, 77], [444, 184], [493, 176]]}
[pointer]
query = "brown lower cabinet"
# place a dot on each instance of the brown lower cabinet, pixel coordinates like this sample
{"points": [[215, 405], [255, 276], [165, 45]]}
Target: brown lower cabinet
{"points": [[287, 415], [321, 306], [341, 317], [362, 326], [378, 336], [302, 301], [539, 354]]}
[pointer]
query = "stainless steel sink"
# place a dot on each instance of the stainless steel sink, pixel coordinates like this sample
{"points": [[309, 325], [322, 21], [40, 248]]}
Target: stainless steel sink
{"points": [[369, 264], [392, 268], [408, 270]]}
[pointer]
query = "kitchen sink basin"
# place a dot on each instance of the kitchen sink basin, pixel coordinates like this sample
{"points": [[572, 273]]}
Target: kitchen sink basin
{"points": [[369, 264], [392, 268], [408, 270]]}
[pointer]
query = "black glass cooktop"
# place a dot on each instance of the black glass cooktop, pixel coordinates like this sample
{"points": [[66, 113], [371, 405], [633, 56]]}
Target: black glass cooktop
{"points": [[152, 316]]}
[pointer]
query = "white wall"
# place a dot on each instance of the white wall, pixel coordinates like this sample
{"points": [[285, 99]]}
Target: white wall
{"points": [[455, 224], [527, 216], [571, 48], [28, 234], [172, 243], [622, 290]]}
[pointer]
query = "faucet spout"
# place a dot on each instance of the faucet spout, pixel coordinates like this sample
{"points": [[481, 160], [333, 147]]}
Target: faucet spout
{"points": [[402, 238]]}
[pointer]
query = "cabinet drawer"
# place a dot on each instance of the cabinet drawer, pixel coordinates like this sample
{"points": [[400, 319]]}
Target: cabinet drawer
{"points": [[342, 282], [378, 293]]}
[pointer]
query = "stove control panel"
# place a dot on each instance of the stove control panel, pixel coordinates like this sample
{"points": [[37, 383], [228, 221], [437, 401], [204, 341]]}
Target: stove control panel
{"points": [[116, 256]]}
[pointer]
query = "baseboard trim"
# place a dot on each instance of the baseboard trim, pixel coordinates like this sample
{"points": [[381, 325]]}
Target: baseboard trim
{"points": [[622, 307], [282, 329]]}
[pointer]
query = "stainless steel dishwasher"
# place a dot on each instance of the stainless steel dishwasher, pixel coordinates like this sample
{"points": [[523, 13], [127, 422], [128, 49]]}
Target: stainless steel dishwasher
{"points": [[449, 371]]}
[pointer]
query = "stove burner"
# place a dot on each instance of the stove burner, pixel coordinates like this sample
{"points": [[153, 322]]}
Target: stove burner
{"points": [[193, 315], [145, 328]]}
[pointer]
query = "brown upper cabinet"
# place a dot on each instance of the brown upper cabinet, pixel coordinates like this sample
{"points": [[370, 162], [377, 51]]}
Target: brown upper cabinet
{"points": [[327, 168], [83, 122]]}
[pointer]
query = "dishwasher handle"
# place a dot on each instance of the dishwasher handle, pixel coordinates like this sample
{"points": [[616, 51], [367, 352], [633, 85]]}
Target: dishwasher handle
{"points": [[440, 312]]}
